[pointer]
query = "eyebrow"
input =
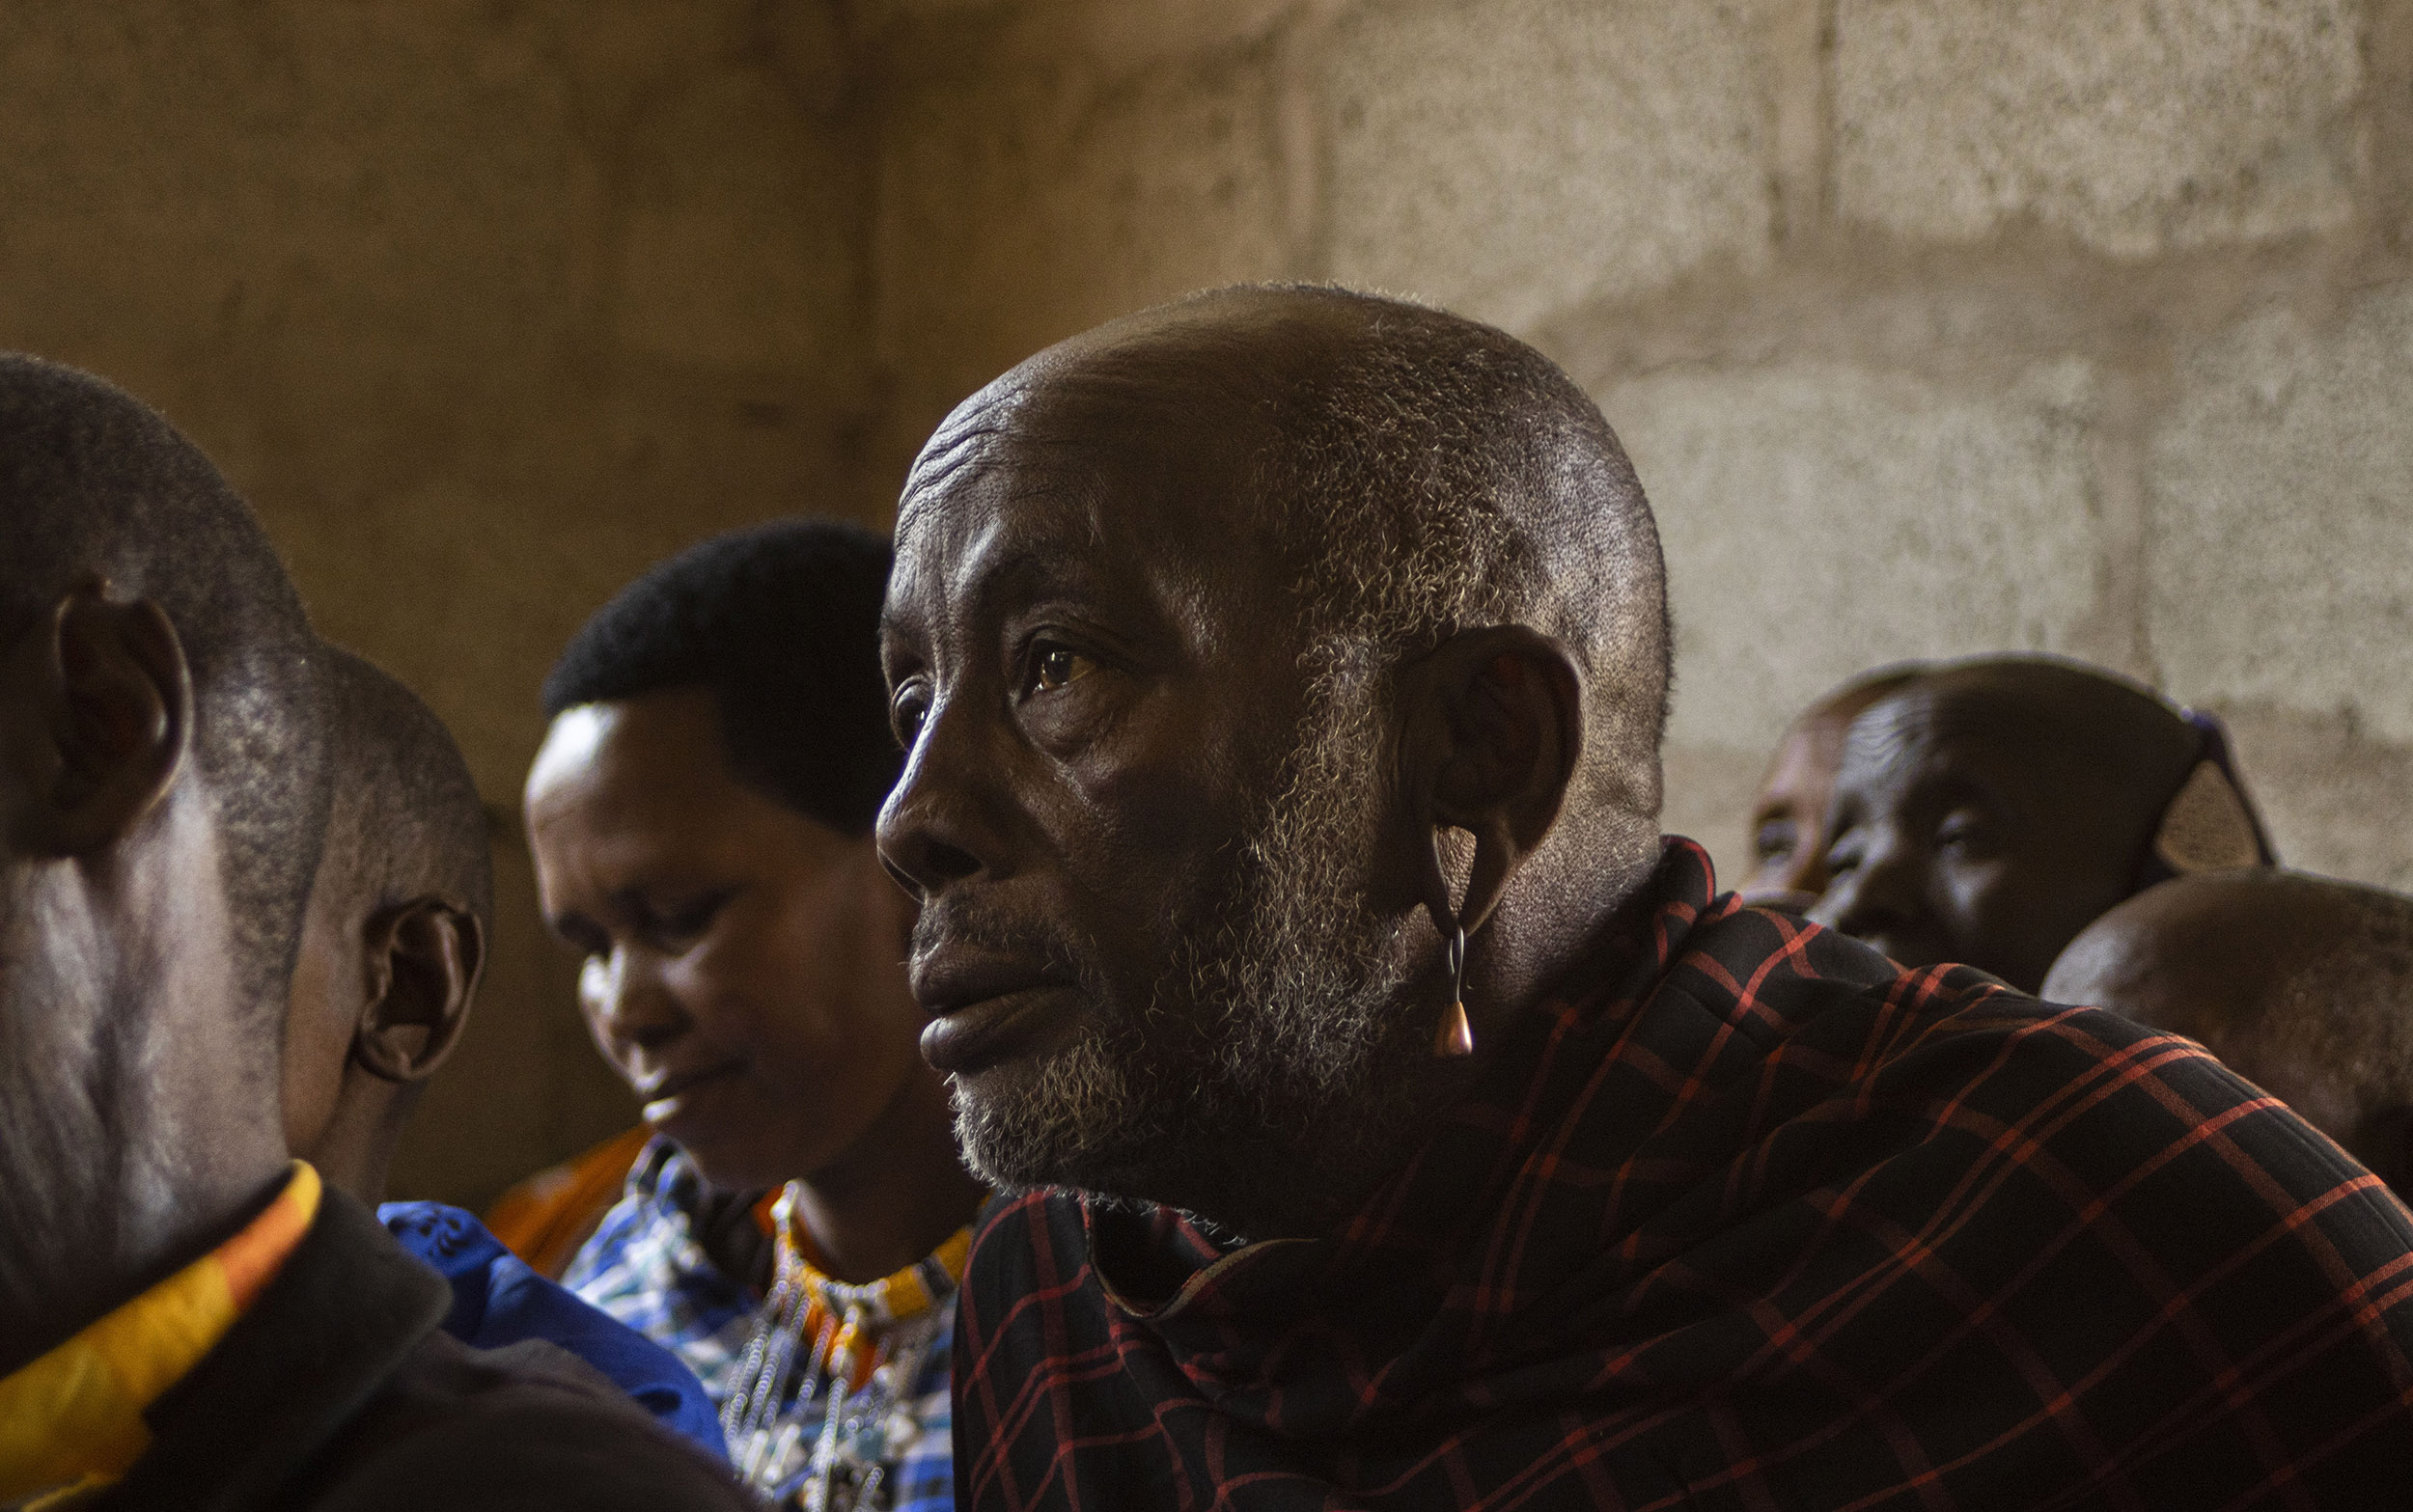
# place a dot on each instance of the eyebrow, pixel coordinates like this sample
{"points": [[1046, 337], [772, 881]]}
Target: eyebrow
{"points": [[1033, 569]]}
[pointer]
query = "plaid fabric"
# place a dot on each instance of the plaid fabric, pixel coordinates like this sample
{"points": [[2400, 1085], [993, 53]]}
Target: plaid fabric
{"points": [[1763, 1221], [646, 1267]]}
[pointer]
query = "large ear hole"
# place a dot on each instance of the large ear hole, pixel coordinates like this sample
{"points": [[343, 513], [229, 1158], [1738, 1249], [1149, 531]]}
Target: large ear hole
{"points": [[1496, 732]]}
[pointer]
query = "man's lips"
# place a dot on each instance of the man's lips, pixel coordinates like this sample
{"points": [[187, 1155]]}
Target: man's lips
{"points": [[981, 1010]]}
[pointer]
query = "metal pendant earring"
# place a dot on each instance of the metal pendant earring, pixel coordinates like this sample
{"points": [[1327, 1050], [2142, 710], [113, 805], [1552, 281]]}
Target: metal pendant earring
{"points": [[1457, 1036]]}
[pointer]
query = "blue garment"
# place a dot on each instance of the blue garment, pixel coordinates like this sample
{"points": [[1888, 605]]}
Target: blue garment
{"points": [[498, 1301]]}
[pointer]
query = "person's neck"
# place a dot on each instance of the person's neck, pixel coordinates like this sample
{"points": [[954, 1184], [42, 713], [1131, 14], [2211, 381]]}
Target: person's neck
{"points": [[896, 1195], [1264, 1185], [155, 1230], [1538, 947], [356, 1152]]}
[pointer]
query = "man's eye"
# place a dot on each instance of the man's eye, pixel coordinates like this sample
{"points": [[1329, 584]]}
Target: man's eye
{"points": [[912, 705], [1056, 667], [1961, 832]]}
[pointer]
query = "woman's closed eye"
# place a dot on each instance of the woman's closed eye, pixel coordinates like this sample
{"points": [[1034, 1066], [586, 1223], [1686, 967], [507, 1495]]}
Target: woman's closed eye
{"points": [[683, 923]]}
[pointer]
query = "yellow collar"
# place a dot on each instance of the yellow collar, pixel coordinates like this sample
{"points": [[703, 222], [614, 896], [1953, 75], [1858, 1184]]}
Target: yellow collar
{"points": [[72, 1420]]}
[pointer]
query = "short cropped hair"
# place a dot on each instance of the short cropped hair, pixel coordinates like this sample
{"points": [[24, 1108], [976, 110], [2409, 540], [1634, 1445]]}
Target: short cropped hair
{"points": [[1437, 472], [92, 481], [407, 821], [781, 623]]}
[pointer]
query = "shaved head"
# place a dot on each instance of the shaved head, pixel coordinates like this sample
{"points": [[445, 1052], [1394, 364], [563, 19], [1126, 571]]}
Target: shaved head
{"points": [[394, 937], [95, 483], [2304, 985], [407, 821], [163, 768], [2091, 728]]}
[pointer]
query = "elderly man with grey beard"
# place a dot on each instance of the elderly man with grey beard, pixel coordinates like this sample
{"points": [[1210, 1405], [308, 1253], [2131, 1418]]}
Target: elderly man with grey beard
{"points": [[1397, 1120]]}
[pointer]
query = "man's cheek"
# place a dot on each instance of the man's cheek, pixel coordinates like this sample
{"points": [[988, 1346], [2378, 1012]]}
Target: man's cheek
{"points": [[1986, 904], [1148, 819]]}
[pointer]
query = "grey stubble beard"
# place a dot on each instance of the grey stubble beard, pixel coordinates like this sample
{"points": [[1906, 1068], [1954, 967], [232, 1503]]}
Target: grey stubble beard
{"points": [[1298, 1066]]}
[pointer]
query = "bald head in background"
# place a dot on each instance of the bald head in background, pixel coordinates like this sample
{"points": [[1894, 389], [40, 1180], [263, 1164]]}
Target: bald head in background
{"points": [[1789, 812], [1989, 809], [2303, 984], [394, 939]]}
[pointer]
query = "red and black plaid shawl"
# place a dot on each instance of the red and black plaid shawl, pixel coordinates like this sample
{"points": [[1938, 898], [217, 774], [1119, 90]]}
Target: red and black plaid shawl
{"points": [[1767, 1222]]}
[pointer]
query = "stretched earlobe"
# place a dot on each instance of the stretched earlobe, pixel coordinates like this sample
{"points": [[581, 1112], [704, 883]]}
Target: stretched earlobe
{"points": [[424, 958], [116, 698], [1493, 732]]}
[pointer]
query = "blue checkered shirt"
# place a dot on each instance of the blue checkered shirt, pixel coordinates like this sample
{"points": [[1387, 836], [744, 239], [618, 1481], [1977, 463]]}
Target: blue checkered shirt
{"points": [[646, 1267]]}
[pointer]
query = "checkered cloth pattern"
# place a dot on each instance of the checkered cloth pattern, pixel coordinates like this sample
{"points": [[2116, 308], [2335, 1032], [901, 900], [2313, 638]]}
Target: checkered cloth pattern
{"points": [[646, 1267], [1761, 1220]]}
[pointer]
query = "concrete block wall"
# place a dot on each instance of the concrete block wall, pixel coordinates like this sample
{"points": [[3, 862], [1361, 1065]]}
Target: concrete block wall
{"points": [[1933, 326]]}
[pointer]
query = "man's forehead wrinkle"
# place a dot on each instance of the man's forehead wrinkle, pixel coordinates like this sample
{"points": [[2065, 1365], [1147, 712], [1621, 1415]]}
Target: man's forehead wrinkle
{"points": [[948, 464], [1157, 480], [1885, 743], [1944, 728]]}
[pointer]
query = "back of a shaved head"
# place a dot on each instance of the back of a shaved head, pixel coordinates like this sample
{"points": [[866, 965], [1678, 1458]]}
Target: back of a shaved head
{"points": [[94, 483], [1422, 472], [2303, 984], [407, 822]]}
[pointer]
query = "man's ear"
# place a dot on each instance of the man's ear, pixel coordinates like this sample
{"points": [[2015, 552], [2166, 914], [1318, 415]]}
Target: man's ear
{"points": [[424, 958], [115, 696], [1493, 732]]}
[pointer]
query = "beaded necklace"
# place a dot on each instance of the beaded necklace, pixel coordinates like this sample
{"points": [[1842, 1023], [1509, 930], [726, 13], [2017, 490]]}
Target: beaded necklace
{"points": [[868, 1346]]}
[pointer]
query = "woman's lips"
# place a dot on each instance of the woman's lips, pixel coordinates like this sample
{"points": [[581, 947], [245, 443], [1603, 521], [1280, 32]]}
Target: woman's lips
{"points": [[979, 1034], [677, 1096]]}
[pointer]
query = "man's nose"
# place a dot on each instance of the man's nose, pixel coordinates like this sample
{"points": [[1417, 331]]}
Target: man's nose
{"points": [[628, 1001], [937, 826], [1806, 873], [1875, 898]]}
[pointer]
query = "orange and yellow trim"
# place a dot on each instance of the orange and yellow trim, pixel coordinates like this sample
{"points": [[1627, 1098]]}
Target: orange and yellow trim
{"points": [[72, 1421]]}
